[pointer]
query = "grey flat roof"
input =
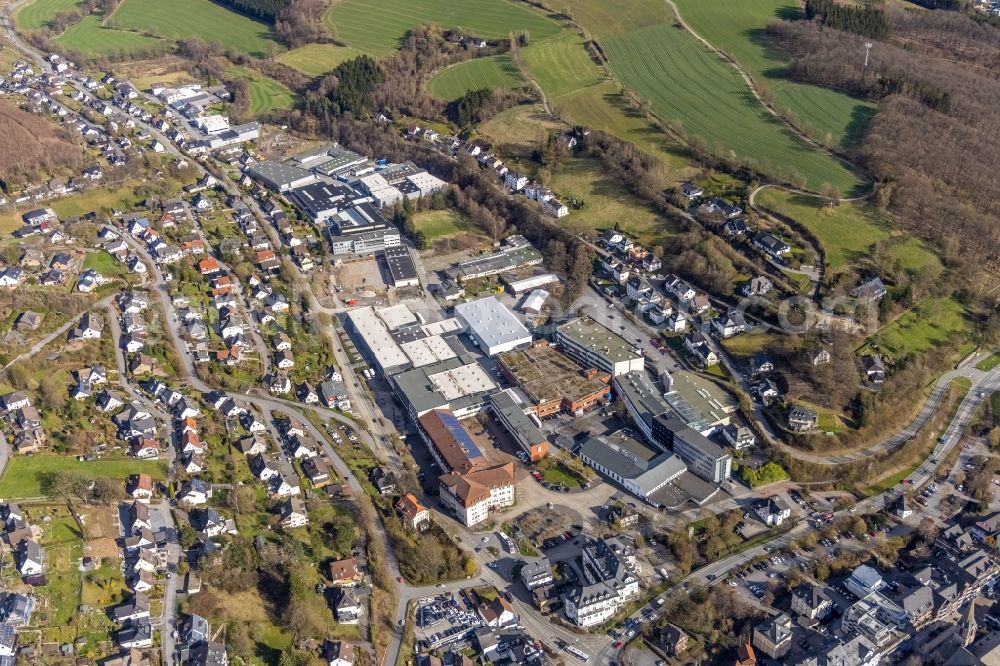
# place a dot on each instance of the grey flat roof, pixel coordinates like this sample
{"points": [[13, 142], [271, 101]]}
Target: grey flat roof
{"points": [[400, 263], [278, 174], [514, 414], [699, 402], [640, 391], [491, 322], [632, 460], [420, 390], [319, 198], [696, 439], [599, 339]]}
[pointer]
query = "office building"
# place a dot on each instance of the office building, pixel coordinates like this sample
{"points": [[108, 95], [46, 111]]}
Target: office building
{"points": [[596, 346]]}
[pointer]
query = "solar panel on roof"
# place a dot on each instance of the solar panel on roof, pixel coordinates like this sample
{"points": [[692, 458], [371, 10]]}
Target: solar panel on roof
{"points": [[460, 434]]}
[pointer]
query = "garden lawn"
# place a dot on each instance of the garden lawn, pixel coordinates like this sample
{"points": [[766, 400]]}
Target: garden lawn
{"points": [[182, 19], [930, 322], [379, 27], [102, 262], [91, 38], [738, 28], [692, 87], [317, 59], [605, 202], [493, 73], [845, 232], [24, 475], [38, 13], [266, 94], [440, 223]]}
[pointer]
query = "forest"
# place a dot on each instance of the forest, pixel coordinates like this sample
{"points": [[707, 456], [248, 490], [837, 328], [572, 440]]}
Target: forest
{"points": [[935, 139], [868, 20], [262, 9]]}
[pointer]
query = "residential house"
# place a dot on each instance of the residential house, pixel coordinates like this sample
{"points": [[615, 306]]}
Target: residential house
{"points": [[673, 640], [873, 368], [338, 653], [870, 290], [413, 514], [773, 637], [771, 245], [140, 487], [697, 345], [730, 324], [346, 607], [344, 573], [194, 493], [383, 480], [773, 511], [29, 558], [756, 286], [293, 513], [801, 418]]}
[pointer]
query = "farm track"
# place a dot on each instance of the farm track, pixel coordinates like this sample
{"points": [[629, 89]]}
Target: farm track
{"points": [[767, 106]]}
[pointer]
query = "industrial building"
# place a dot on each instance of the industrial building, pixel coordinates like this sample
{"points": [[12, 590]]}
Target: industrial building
{"points": [[280, 177], [703, 456], [449, 442], [699, 402], [515, 252], [639, 469], [393, 340], [643, 401], [596, 346], [322, 200], [534, 302], [402, 270], [492, 326], [459, 384], [552, 381], [518, 287], [513, 415]]}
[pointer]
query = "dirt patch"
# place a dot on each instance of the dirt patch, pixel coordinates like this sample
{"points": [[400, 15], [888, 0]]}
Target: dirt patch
{"points": [[543, 523], [357, 277]]}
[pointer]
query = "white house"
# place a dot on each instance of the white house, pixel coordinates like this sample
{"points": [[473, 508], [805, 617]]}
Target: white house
{"points": [[773, 511]]}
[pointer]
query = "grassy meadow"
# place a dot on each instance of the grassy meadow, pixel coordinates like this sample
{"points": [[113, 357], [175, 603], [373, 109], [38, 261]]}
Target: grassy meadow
{"points": [[737, 27], [495, 73], [689, 85], [180, 19], [379, 27], [317, 59]]}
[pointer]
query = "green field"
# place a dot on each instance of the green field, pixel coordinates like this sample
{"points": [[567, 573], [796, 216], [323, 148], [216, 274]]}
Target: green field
{"points": [[495, 73], [691, 86], [737, 27], [931, 322], [24, 475], [379, 27], [845, 232], [181, 19], [37, 13], [90, 38], [266, 94], [605, 19], [440, 223], [561, 65], [605, 203], [317, 59]]}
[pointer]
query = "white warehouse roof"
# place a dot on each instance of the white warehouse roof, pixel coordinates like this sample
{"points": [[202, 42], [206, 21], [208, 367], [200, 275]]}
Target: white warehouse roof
{"points": [[492, 323]]}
